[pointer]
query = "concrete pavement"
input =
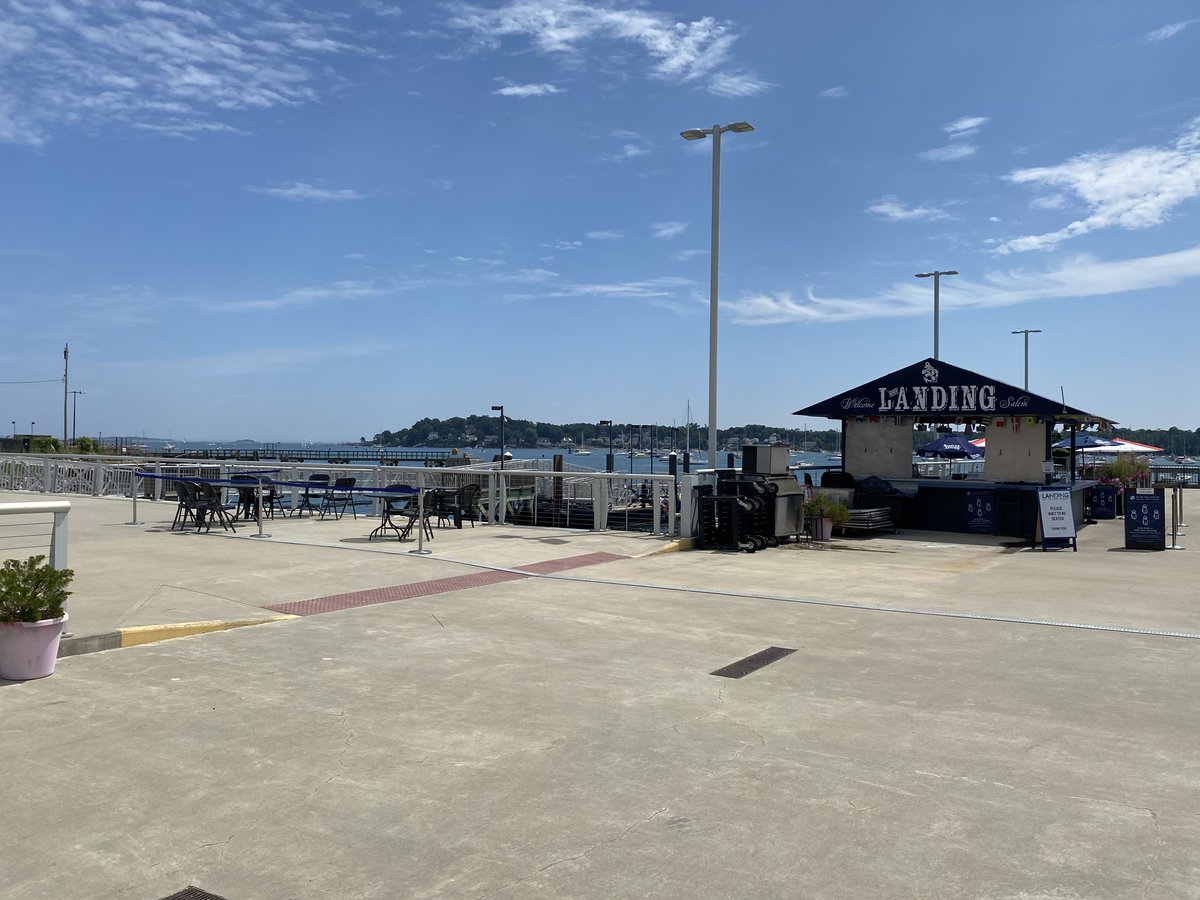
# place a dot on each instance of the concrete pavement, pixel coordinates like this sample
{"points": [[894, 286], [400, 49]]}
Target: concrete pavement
{"points": [[528, 713]]}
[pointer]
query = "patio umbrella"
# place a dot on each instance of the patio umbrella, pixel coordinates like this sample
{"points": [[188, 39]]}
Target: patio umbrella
{"points": [[1136, 447], [950, 446], [1090, 443]]}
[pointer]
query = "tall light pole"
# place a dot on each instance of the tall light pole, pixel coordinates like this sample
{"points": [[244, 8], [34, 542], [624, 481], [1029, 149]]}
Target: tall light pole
{"points": [[1027, 332], [695, 134], [608, 463], [66, 384], [500, 409], [74, 412], [936, 276]]}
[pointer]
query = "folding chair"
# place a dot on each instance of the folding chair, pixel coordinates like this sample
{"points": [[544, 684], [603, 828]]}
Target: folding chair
{"points": [[186, 494], [338, 497], [210, 504]]}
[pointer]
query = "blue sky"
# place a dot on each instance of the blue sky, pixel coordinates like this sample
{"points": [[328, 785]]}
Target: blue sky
{"points": [[284, 221]]}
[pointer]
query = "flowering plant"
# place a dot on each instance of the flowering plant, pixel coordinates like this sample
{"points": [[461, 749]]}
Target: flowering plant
{"points": [[1124, 471]]}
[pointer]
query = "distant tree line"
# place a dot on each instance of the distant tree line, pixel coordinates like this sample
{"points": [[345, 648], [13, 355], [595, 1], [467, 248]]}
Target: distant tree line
{"points": [[484, 431]]}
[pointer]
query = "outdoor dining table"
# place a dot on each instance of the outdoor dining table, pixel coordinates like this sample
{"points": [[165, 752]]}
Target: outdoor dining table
{"points": [[399, 500]]}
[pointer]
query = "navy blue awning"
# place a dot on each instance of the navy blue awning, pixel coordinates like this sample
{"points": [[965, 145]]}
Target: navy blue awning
{"points": [[934, 390]]}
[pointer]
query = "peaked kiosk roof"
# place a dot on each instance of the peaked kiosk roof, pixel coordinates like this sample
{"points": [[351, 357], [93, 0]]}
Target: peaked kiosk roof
{"points": [[935, 390]]}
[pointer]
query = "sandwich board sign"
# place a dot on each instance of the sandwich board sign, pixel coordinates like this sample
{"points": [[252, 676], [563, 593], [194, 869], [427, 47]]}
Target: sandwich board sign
{"points": [[1056, 519], [981, 512], [1145, 519]]}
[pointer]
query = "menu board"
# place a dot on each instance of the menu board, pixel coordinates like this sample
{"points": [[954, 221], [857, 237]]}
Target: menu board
{"points": [[1145, 519], [1056, 517], [981, 512]]}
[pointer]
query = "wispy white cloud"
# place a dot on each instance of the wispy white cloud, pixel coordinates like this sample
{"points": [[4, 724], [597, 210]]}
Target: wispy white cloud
{"points": [[835, 93], [685, 255], [650, 289], [299, 191], [740, 84], [627, 151], [668, 230], [381, 8], [696, 52], [1132, 189], [1049, 201], [1076, 278], [527, 90], [964, 127], [333, 294], [893, 210], [957, 131], [337, 292], [949, 153], [607, 235], [1168, 31], [526, 276], [166, 68]]}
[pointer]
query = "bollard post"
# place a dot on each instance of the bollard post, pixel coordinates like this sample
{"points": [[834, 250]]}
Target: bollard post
{"points": [[1182, 485], [258, 510], [421, 515], [134, 492], [1174, 545]]}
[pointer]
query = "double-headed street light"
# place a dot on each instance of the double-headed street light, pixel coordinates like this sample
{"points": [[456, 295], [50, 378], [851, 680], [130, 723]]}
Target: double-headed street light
{"points": [[74, 412], [936, 276], [695, 134], [608, 463], [1027, 332], [500, 409]]}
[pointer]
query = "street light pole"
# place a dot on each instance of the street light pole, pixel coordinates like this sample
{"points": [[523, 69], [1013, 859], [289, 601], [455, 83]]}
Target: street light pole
{"points": [[1027, 332], [936, 283], [608, 463], [695, 134], [66, 384], [74, 412], [500, 409]]}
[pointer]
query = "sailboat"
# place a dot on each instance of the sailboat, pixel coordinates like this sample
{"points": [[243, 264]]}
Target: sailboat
{"points": [[582, 449]]}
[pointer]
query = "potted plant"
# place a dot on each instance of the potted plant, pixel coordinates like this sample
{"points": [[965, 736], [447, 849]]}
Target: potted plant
{"points": [[826, 513], [32, 594]]}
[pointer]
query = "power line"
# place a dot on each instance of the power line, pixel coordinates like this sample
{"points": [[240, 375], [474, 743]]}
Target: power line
{"points": [[42, 381]]}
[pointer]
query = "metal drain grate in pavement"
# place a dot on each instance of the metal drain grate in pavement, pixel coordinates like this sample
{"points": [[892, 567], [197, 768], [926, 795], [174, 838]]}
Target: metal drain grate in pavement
{"points": [[193, 893], [753, 662]]}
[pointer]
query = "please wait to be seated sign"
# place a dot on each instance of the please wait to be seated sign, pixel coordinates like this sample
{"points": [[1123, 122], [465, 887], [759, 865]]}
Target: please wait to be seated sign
{"points": [[1056, 518]]}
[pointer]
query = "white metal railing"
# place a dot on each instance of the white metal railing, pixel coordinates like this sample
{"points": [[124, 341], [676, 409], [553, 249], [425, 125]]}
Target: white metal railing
{"points": [[525, 491], [25, 534]]}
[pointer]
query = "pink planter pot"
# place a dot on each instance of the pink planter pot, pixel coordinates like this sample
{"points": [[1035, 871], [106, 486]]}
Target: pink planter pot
{"points": [[29, 649]]}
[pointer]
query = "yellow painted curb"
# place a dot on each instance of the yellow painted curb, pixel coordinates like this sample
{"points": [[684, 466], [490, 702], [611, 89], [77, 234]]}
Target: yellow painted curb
{"points": [[148, 634], [673, 547]]}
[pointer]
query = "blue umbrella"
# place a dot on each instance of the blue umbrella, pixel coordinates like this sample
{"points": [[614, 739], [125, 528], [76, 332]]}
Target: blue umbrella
{"points": [[950, 446]]}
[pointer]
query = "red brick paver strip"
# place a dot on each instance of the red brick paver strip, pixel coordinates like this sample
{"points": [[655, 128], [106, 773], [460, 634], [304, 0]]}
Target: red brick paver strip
{"points": [[355, 599]]}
